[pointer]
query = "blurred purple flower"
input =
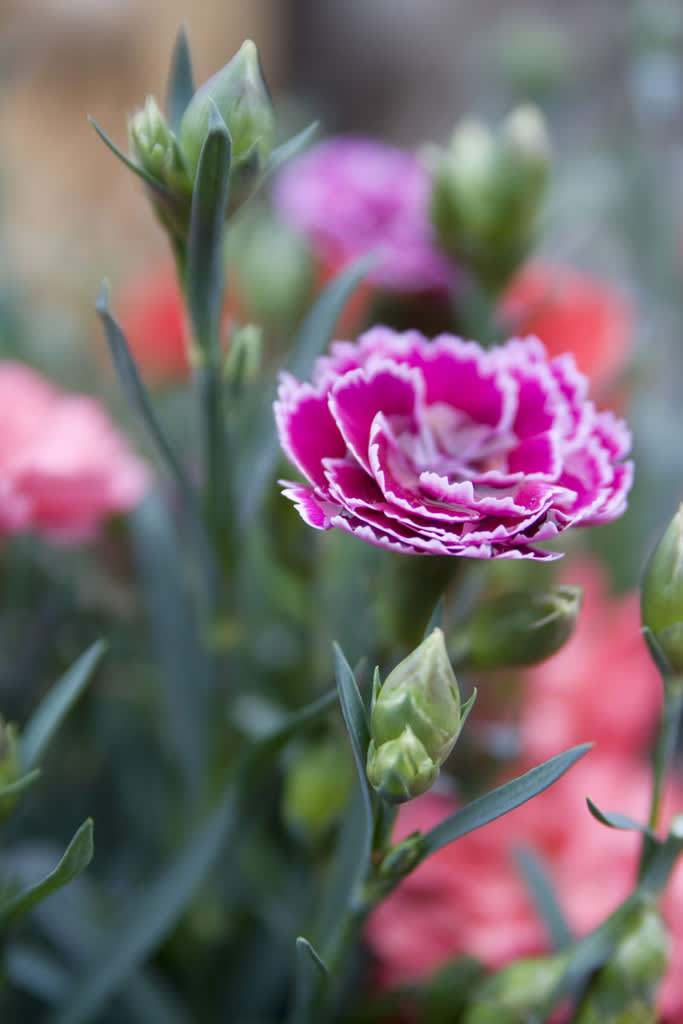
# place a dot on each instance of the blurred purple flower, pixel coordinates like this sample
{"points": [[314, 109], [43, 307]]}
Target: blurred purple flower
{"points": [[350, 196], [443, 448]]}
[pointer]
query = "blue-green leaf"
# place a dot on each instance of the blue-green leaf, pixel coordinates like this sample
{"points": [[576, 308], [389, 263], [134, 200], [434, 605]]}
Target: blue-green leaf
{"points": [[56, 705], [184, 662], [136, 393], [621, 821], [180, 81], [542, 892], [153, 913], [309, 983], [355, 718], [205, 274], [493, 805], [286, 150], [76, 858], [157, 187], [10, 792]]}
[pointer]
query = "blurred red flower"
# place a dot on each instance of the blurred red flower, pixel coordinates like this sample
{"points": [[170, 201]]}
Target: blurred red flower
{"points": [[152, 316], [602, 686], [470, 897], [571, 311], [64, 468]]}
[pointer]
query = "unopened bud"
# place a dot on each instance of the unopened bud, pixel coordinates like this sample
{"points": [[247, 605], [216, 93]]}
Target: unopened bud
{"points": [[487, 192], [416, 718], [517, 994], [9, 754], [155, 148], [662, 594], [317, 786], [242, 99], [520, 629], [624, 990]]}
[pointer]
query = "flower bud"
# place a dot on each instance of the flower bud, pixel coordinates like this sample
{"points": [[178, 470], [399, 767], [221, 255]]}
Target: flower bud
{"points": [[520, 629], [518, 993], [242, 99], [624, 990], [487, 192], [415, 720], [662, 594], [9, 755], [317, 787], [155, 148]]}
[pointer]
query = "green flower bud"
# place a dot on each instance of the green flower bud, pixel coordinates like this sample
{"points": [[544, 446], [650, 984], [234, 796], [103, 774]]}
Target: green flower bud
{"points": [[517, 994], [9, 755], [518, 629], [662, 594], [415, 720], [487, 192], [624, 989], [401, 769], [242, 99], [155, 148], [317, 787]]}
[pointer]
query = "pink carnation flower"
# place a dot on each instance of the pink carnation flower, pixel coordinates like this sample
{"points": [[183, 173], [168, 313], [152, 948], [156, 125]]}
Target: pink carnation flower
{"points": [[443, 448], [351, 196], [470, 897], [63, 466], [563, 706]]}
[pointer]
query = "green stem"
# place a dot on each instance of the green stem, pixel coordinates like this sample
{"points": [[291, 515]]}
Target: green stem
{"points": [[664, 751], [661, 763]]}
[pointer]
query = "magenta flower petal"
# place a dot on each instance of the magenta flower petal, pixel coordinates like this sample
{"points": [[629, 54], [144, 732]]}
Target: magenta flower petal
{"points": [[307, 429], [443, 448], [357, 397]]}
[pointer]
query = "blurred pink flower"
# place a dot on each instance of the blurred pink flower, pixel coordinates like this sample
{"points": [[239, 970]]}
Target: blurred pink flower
{"points": [[63, 466], [352, 195], [443, 448], [571, 311], [602, 686], [470, 898]]}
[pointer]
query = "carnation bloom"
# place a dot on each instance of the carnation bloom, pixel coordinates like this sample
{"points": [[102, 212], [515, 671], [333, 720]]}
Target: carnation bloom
{"points": [[470, 897], [561, 704], [444, 448], [572, 312], [63, 466], [350, 196]]}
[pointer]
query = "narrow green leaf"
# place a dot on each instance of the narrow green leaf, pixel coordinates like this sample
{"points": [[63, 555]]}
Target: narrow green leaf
{"points": [[318, 327], [284, 152], [542, 892], [137, 394], [309, 983], [435, 619], [153, 913], [10, 792], [157, 187], [493, 805], [355, 717], [620, 821], [205, 276], [180, 88], [312, 338], [185, 665], [57, 704], [76, 858]]}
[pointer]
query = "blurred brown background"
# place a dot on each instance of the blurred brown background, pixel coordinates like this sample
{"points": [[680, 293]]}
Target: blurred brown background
{"points": [[405, 69]]}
